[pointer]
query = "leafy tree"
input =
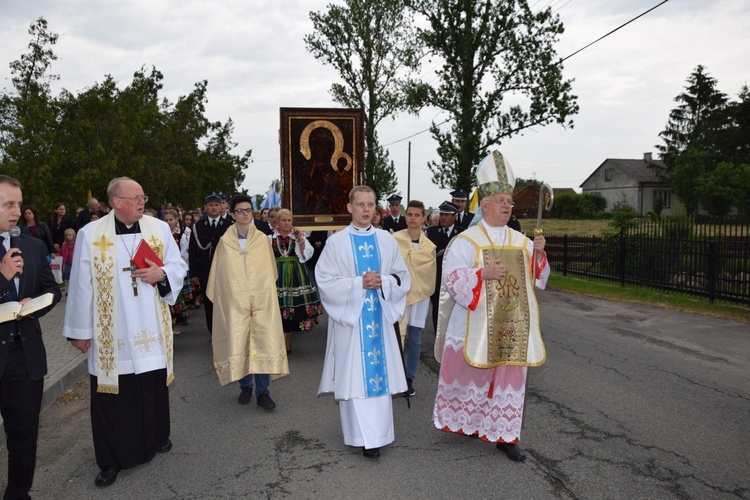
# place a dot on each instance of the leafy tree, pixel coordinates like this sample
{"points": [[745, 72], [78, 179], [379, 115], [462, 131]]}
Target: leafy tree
{"points": [[522, 183], [372, 45], [61, 148], [719, 189], [27, 116], [694, 121], [490, 51], [579, 206], [692, 137]]}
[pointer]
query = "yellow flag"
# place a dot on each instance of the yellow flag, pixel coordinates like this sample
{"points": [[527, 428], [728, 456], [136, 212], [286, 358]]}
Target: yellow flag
{"points": [[88, 195], [474, 201]]}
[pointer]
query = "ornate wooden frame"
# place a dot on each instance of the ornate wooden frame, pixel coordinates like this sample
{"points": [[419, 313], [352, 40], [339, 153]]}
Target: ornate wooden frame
{"points": [[322, 158]]}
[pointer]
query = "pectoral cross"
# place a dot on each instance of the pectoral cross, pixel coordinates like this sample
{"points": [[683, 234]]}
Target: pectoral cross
{"points": [[132, 268]]}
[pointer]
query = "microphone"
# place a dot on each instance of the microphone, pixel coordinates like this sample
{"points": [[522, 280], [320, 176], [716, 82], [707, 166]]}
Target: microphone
{"points": [[15, 238]]}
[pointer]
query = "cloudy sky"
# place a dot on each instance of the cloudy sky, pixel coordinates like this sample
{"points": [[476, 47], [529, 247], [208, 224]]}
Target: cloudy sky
{"points": [[253, 55]]}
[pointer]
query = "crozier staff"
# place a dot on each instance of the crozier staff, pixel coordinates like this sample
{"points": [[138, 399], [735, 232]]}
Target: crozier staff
{"points": [[488, 320]]}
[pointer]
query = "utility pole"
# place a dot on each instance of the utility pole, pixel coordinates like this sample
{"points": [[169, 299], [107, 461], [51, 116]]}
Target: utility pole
{"points": [[408, 176]]}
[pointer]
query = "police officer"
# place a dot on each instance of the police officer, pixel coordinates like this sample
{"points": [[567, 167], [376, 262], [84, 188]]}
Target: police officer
{"points": [[463, 217], [394, 222], [441, 235], [203, 240]]}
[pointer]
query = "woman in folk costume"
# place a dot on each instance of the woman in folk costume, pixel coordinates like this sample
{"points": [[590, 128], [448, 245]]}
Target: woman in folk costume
{"points": [[419, 254], [488, 322], [179, 309], [247, 340], [298, 298]]}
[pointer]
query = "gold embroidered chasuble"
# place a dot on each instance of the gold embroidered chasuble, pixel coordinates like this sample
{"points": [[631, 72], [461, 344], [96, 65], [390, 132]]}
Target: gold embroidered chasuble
{"points": [[106, 273], [422, 267], [248, 336], [504, 327]]}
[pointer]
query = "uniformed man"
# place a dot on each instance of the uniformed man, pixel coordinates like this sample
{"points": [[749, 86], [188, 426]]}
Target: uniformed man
{"points": [[463, 217], [203, 240], [394, 222], [440, 235]]}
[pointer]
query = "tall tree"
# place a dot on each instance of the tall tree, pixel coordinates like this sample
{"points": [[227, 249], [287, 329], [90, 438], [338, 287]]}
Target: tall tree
{"points": [[706, 146], [693, 123], [28, 115], [372, 45], [62, 147], [490, 51]]}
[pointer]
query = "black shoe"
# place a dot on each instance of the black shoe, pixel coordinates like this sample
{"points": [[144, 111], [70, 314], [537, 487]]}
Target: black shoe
{"points": [[245, 396], [265, 401], [167, 446], [371, 452], [410, 391], [106, 476], [512, 451]]}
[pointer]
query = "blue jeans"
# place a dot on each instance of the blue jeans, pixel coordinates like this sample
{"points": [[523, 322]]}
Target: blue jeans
{"points": [[413, 348], [261, 382]]}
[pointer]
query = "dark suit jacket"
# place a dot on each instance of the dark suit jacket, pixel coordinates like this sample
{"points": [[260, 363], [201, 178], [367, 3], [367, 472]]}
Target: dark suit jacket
{"points": [[36, 280], [439, 238], [200, 260], [468, 217], [391, 226], [263, 226], [42, 233]]}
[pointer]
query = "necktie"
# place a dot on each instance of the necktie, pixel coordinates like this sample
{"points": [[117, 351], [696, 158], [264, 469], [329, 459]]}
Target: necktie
{"points": [[460, 218], [213, 224], [12, 295]]}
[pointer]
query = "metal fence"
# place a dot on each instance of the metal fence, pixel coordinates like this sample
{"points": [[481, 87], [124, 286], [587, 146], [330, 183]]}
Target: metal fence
{"points": [[707, 260]]}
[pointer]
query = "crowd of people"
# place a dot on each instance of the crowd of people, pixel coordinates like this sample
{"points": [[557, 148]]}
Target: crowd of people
{"points": [[132, 281]]}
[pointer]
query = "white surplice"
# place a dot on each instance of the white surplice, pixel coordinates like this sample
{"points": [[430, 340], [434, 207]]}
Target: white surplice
{"points": [[369, 421], [141, 348]]}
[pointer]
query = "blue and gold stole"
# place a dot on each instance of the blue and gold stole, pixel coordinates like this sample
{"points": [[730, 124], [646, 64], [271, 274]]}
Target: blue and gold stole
{"points": [[367, 258]]}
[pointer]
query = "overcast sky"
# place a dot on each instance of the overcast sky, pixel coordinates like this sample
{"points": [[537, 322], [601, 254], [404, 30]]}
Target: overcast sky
{"points": [[253, 55]]}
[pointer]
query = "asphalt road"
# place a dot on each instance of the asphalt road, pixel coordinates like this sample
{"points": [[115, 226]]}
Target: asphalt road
{"points": [[633, 402]]}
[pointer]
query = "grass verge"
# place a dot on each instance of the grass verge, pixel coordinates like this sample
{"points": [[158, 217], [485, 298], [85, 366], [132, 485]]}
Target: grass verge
{"points": [[649, 296]]}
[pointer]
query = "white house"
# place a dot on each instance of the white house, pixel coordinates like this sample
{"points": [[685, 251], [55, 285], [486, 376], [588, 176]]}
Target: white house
{"points": [[632, 182]]}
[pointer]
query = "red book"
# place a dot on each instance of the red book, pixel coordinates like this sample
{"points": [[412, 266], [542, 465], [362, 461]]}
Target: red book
{"points": [[143, 252]]}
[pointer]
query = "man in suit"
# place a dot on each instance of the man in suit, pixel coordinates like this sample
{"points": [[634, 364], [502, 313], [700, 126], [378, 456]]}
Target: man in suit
{"points": [[84, 217], [24, 274], [463, 217], [203, 241], [441, 235], [262, 226], [394, 222]]}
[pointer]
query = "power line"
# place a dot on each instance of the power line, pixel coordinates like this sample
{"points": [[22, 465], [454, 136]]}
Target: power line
{"points": [[561, 60], [619, 27]]}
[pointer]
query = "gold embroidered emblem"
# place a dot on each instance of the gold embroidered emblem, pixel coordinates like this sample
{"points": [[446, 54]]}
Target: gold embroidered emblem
{"points": [[507, 309], [105, 303], [103, 245], [144, 341]]}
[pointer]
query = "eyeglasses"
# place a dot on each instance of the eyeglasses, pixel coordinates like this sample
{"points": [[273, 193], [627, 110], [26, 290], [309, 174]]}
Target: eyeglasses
{"points": [[243, 211], [502, 202], [136, 199]]}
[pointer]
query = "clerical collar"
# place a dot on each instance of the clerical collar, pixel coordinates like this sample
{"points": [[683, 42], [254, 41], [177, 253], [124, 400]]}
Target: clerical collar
{"points": [[361, 229], [122, 228]]}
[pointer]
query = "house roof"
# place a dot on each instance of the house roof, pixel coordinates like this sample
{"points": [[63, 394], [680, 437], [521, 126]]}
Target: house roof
{"points": [[637, 170]]}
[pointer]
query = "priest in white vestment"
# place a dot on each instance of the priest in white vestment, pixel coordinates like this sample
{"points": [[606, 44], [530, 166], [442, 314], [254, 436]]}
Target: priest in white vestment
{"points": [[119, 315], [363, 283], [488, 321]]}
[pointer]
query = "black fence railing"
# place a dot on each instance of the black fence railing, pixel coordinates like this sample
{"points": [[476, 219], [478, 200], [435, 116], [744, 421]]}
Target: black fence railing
{"points": [[707, 260]]}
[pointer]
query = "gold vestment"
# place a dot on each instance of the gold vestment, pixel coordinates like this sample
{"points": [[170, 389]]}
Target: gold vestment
{"points": [[247, 332]]}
